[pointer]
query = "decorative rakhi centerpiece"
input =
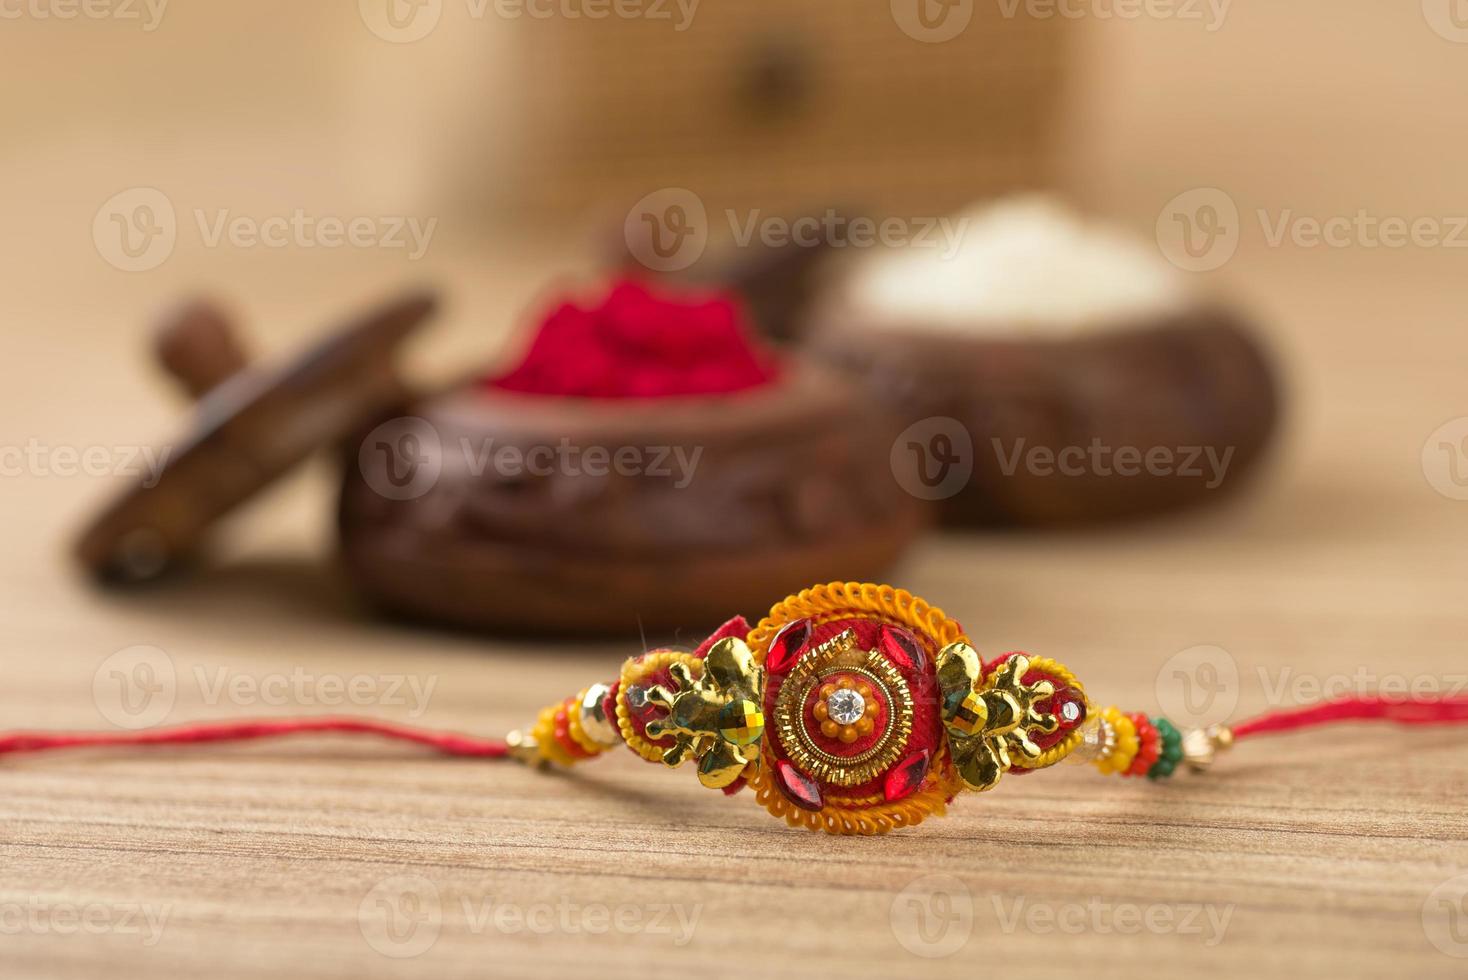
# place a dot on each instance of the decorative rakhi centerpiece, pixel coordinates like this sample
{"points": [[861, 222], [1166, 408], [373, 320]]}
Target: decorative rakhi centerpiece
{"points": [[850, 708]]}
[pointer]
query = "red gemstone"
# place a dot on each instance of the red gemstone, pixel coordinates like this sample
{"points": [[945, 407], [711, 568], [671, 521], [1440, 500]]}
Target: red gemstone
{"points": [[787, 646], [798, 788], [903, 649], [904, 779]]}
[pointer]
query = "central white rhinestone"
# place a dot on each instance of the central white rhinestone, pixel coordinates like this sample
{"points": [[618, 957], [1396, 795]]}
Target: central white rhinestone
{"points": [[845, 707]]}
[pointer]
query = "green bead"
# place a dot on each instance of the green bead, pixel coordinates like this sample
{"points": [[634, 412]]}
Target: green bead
{"points": [[1172, 749]]}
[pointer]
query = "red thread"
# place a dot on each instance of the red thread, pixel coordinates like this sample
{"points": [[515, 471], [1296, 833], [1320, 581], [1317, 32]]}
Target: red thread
{"points": [[1414, 711], [448, 743]]}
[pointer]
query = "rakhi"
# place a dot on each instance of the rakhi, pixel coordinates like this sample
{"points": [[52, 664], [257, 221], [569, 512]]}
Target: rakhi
{"points": [[851, 708]]}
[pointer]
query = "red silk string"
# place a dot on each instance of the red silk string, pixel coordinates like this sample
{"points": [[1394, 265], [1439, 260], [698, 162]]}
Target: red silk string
{"points": [[447, 743], [1409, 711], [1416, 711]]}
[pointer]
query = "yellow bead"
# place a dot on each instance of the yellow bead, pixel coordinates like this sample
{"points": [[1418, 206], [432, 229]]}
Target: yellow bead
{"points": [[1125, 743]]}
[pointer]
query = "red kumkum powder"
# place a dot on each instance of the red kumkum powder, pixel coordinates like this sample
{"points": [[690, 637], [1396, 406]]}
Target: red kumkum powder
{"points": [[643, 344]]}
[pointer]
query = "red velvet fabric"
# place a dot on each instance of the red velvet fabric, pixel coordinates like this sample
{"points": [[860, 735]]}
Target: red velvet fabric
{"points": [[1064, 694], [642, 343], [738, 626]]}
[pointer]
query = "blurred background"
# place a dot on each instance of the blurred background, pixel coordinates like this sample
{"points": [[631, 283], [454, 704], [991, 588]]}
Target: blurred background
{"points": [[515, 137]]}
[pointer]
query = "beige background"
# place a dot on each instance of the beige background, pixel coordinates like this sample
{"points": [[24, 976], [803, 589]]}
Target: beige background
{"points": [[1323, 850]]}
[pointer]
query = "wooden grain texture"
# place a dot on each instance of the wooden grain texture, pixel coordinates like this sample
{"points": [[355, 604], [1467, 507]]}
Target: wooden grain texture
{"points": [[1306, 856]]}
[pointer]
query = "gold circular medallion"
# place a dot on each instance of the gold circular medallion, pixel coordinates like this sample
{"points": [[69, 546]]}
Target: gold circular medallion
{"points": [[802, 745]]}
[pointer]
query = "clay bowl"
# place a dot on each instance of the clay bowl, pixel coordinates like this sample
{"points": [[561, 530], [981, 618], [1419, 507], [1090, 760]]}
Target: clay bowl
{"points": [[718, 503], [1191, 387]]}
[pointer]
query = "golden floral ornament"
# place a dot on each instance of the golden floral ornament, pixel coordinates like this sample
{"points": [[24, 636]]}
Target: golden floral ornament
{"points": [[714, 718], [990, 719]]}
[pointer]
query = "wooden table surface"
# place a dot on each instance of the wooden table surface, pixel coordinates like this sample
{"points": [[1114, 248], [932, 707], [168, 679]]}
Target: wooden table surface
{"points": [[1314, 855]]}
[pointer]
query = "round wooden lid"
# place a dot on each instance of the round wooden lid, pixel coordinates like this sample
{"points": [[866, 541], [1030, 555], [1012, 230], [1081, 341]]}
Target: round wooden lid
{"points": [[251, 425]]}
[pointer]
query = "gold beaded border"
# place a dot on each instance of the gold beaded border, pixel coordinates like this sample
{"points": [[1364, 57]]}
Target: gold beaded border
{"points": [[634, 671]]}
